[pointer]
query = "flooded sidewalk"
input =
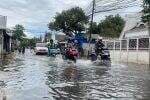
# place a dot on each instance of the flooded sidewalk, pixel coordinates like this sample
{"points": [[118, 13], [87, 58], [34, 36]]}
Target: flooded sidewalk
{"points": [[33, 77]]}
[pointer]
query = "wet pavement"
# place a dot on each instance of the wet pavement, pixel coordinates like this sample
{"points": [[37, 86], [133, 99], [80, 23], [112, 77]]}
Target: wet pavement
{"points": [[32, 77]]}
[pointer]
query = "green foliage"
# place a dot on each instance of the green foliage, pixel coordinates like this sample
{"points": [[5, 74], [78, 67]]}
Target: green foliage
{"points": [[18, 32], [72, 20], [28, 42], [146, 11], [94, 29], [111, 26], [32, 42], [24, 43]]}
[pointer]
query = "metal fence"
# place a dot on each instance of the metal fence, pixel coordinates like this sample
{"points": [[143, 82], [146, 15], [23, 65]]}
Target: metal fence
{"points": [[130, 50]]}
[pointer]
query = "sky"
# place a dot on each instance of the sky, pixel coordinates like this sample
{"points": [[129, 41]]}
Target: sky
{"points": [[34, 15]]}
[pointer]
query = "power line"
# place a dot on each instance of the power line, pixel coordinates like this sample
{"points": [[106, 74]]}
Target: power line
{"points": [[93, 9], [105, 6]]}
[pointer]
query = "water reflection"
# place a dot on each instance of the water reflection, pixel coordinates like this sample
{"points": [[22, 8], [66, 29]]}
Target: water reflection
{"points": [[73, 81], [31, 77], [94, 82]]}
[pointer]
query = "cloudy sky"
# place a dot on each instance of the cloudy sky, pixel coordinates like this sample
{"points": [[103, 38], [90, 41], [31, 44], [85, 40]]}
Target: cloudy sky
{"points": [[35, 14]]}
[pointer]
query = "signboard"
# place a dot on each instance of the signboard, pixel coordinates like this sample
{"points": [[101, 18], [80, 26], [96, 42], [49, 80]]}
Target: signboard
{"points": [[3, 21]]}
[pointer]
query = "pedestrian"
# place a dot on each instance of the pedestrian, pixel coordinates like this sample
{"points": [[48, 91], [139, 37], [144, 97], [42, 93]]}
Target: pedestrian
{"points": [[23, 50], [19, 49]]}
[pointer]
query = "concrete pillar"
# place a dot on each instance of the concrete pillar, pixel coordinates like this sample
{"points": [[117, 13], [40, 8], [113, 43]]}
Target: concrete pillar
{"points": [[127, 49], [137, 48], [114, 44], [120, 48], [149, 51], [1, 46]]}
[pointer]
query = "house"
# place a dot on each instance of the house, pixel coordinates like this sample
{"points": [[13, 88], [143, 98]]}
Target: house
{"points": [[5, 36], [134, 27]]}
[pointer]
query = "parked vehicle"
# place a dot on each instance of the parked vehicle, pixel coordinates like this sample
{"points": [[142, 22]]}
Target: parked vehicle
{"points": [[41, 48]]}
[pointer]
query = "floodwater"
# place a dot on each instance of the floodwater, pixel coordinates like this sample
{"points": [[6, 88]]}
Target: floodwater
{"points": [[31, 77]]}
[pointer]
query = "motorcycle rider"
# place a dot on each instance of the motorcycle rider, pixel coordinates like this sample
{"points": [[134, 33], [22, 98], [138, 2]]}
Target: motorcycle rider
{"points": [[99, 46]]}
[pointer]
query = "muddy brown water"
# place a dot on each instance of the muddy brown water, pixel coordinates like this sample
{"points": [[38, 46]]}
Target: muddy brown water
{"points": [[31, 77]]}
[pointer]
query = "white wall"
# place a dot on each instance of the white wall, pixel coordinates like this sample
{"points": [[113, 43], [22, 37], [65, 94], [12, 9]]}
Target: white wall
{"points": [[139, 57], [3, 20]]}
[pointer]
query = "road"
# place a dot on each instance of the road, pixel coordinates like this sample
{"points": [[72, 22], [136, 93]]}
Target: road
{"points": [[32, 77]]}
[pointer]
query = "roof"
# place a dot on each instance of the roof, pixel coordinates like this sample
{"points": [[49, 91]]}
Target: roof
{"points": [[140, 30], [131, 21]]}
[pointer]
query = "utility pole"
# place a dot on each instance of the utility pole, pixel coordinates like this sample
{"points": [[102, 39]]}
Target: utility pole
{"points": [[149, 39], [92, 17], [91, 26]]}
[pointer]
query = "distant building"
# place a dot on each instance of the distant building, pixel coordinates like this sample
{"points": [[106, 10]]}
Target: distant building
{"points": [[47, 37]]}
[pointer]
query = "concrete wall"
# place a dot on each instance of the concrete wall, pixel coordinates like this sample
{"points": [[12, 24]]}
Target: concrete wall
{"points": [[132, 56]]}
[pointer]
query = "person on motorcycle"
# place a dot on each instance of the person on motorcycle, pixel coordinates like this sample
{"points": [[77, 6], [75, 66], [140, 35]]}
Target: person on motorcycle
{"points": [[99, 47], [71, 53]]}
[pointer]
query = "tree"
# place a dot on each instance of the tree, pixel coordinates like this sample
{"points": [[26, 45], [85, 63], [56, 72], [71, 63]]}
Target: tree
{"points": [[18, 32], [69, 21], [146, 11], [94, 29], [112, 26]]}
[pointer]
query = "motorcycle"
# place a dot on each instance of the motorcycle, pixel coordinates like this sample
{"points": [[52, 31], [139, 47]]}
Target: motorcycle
{"points": [[71, 54], [102, 58]]}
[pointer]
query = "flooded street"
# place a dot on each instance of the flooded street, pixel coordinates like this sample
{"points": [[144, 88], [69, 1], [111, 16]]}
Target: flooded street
{"points": [[32, 77]]}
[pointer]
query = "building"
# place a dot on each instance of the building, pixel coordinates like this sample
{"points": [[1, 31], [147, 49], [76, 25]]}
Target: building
{"points": [[3, 20], [47, 37], [5, 36], [134, 27]]}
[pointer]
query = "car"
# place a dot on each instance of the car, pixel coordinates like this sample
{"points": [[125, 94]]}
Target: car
{"points": [[41, 48]]}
